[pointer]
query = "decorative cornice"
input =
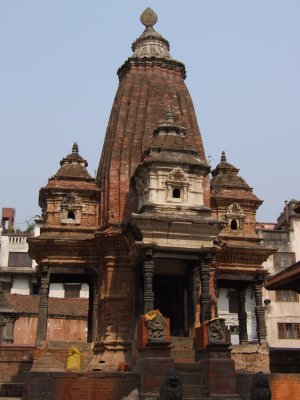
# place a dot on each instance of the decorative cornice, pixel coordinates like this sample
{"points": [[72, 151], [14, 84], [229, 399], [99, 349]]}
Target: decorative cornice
{"points": [[171, 65]]}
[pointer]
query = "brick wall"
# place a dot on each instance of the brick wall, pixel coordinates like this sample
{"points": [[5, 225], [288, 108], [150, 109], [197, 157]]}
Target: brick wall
{"points": [[72, 386], [14, 361], [58, 329], [250, 358], [283, 386]]}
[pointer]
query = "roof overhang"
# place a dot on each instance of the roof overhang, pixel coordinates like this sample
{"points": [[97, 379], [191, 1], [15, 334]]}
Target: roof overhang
{"points": [[289, 278]]}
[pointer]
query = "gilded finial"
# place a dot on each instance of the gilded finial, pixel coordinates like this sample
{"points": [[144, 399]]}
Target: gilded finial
{"points": [[75, 148], [223, 157], [148, 18]]}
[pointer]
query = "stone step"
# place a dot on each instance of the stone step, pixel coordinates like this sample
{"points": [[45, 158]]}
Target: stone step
{"points": [[187, 366], [55, 361], [183, 354], [191, 378], [194, 391], [11, 391], [182, 342]]}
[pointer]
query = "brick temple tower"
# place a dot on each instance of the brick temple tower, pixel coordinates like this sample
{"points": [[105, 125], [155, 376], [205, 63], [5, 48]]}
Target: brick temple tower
{"points": [[149, 232]]}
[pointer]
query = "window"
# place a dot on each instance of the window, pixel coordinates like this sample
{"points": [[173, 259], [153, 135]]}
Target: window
{"points": [[283, 260], [288, 331], [6, 287], [234, 224], [286, 295], [176, 193], [233, 301], [19, 259], [71, 215], [35, 289], [72, 290]]}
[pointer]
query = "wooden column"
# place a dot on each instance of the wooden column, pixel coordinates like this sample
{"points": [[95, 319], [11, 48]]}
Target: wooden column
{"points": [[41, 333], [95, 308], [242, 314], [205, 297], [148, 282], [260, 313]]}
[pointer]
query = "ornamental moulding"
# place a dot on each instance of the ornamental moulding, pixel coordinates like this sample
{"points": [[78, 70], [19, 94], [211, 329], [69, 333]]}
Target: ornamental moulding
{"points": [[177, 174]]}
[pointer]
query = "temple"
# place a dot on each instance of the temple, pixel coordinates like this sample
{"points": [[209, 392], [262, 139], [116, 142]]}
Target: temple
{"points": [[153, 230]]}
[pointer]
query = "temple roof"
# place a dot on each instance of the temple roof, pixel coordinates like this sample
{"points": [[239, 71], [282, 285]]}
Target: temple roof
{"points": [[73, 166], [226, 183], [25, 304], [225, 176]]}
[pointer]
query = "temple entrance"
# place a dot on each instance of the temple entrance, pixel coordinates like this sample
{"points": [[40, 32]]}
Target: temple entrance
{"points": [[170, 294]]}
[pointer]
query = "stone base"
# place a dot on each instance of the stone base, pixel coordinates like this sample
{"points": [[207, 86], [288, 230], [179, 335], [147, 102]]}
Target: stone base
{"points": [[153, 363], [218, 368], [111, 356]]}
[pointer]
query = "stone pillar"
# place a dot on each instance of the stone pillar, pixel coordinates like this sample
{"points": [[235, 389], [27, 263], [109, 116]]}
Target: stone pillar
{"points": [[242, 314], [148, 282], [41, 333], [260, 313], [205, 297]]}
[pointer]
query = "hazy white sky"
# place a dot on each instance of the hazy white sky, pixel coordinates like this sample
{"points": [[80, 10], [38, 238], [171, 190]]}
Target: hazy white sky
{"points": [[58, 63]]}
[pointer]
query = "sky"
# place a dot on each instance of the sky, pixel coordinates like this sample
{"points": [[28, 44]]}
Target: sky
{"points": [[58, 64]]}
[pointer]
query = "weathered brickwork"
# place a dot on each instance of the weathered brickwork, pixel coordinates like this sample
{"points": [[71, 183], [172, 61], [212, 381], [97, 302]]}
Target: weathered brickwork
{"points": [[71, 386], [251, 358], [142, 100], [14, 361]]}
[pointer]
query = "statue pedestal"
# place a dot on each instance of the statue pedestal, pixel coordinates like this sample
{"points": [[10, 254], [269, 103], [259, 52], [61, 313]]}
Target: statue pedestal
{"points": [[153, 362], [213, 342], [154, 353], [218, 368]]}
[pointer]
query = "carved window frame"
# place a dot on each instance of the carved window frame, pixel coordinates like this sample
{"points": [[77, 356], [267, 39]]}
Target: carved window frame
{"points": [[177, 179], [235, 213], [71, 203]]}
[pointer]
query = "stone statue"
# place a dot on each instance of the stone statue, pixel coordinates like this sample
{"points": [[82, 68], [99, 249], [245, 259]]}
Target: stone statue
{"points": [[171, 389], [260, 388], [157, 329]]}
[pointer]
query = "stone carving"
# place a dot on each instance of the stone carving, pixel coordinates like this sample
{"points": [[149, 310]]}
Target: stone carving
{"points": [[260, 388], [235, 211], [156, 328], [171, 389], [71, 203], [71, 198], [216, 331], [177, 174]]}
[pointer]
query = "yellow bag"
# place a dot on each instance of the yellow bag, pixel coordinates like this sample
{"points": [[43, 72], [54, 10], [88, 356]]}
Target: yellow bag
{"points": [[73, 361]]}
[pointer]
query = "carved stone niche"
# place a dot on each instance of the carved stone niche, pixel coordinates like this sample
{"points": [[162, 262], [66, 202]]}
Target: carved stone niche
{"points": [[212, 333], [177, 186], [71, 209], [235, 217], [157, 329]]}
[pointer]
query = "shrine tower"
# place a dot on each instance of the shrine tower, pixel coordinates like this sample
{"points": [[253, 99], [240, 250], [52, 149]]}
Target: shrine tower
{"points": [[151, 82]]}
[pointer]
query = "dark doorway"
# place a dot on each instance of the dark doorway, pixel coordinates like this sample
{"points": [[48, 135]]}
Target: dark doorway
{"points": [[170, 294]]}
